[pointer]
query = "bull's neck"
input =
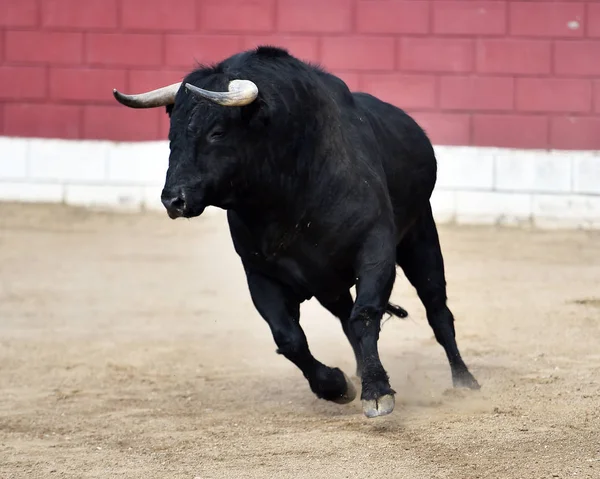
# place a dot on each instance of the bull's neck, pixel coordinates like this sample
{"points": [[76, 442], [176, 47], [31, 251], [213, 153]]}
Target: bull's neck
{"points": [[275, 193], [272, 200], [294, 173]]}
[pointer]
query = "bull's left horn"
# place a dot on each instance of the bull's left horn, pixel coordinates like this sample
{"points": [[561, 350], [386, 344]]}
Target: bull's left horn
{"points": [[161, 97], [241, 92]]}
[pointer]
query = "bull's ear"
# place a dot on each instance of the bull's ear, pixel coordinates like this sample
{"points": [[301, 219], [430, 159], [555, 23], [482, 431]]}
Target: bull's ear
{"points": [[169, 109]]}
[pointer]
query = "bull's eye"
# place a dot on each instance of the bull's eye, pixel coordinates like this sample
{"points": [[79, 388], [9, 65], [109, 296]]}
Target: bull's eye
{"points": [[216, 134]]}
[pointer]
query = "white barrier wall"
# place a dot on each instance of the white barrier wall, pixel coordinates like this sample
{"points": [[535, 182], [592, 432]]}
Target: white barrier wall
{"points": [[475, 185]]}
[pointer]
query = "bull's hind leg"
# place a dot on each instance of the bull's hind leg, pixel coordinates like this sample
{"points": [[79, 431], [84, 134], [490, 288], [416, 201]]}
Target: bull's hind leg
{"points": [[420, 256], [276, 305], [341, 308]]}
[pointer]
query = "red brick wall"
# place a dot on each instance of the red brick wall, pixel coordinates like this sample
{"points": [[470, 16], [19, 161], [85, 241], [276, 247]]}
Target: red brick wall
{"points": [[511, 73]]}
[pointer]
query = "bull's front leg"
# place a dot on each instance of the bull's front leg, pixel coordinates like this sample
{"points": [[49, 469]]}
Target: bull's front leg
{"points": [[277, 306], [376, 272]]}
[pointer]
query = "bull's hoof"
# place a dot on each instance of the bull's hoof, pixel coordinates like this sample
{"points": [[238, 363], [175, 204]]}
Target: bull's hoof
{"points": [[465, 379], [349, 395], [379, 407]]}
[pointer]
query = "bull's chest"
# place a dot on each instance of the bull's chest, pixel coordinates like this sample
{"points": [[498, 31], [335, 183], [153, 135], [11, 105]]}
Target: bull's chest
{"points": [[298, 258], [309, 274]]}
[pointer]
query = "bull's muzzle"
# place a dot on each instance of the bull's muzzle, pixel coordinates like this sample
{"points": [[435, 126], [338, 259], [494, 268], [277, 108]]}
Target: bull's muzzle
{"points": [[175, 203]]}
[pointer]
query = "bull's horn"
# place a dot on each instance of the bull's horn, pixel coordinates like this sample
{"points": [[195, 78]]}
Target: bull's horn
{"points": [[152, 99], [241, 92]]}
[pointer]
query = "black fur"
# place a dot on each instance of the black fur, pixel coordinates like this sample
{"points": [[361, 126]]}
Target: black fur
{"points": [[325, 189]]}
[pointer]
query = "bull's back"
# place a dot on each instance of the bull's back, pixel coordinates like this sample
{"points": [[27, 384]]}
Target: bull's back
{"points": [[406, 154]]}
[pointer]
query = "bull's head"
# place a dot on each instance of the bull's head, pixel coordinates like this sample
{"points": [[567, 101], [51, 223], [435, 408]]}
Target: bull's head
{"points": [[206, 137]]}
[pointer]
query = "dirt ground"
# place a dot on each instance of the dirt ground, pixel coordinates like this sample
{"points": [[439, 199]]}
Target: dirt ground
{"points": [[129, 347]]}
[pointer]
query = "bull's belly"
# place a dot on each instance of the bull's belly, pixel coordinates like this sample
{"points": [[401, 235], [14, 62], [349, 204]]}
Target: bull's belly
{"points": [[305, 279]]}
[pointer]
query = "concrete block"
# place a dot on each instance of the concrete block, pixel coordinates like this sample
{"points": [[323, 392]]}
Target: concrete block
{"points": [[586, 173], [126, 198], [465, 167], [491, 207], [13, 160], [31, 192], [139, 163], [566, 211], [443, 204], [68, 161], [151, 198], [532, 171]]}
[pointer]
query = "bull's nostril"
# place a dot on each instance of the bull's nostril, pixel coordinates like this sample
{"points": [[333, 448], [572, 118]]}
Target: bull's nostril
{"points": [[174, 203], [178, 203]]}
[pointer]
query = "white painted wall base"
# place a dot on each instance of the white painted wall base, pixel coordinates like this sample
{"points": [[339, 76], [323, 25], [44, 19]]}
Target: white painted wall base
{"points": [[546, 189]]}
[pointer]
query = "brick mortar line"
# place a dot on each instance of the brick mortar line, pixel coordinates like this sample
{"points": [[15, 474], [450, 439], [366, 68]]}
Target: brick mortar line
{"points": [[318, 33]]}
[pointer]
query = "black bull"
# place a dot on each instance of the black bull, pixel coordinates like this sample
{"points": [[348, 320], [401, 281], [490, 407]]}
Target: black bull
{"points": [[324, 189]]}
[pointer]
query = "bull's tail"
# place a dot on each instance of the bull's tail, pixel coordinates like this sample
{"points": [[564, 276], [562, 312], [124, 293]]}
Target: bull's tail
{"points": [[396, 310]]}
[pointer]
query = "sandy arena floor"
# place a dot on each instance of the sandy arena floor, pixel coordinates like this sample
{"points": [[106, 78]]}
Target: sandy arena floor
{"points": [[129, 347]]}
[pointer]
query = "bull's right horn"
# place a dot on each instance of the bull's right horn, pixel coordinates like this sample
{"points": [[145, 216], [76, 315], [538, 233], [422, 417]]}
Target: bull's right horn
{"points": [[161, 97], [240, 93]]}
